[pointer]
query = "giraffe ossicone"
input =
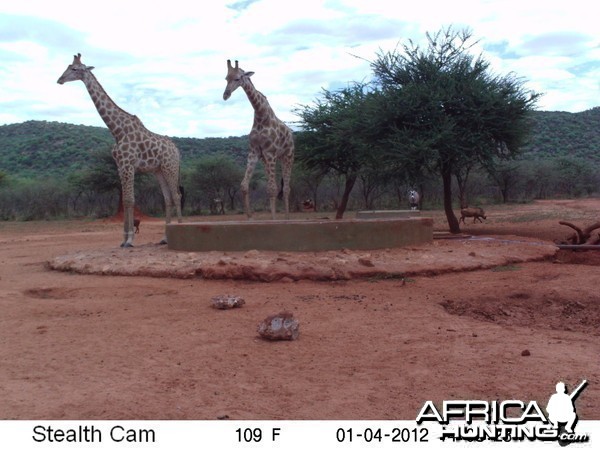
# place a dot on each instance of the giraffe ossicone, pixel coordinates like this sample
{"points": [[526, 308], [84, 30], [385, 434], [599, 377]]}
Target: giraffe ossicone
{"points": [[270, 140], [136, 149]]}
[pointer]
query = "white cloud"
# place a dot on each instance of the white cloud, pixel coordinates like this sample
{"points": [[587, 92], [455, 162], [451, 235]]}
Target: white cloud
{"points": [[166, 62]]}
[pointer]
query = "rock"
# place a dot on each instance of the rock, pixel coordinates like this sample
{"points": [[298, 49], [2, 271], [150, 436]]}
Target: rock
{"points": [[525, 353], [366, 262], [227, 302], [282, 326]]}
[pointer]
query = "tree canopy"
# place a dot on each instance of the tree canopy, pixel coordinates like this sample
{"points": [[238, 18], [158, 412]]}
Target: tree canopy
{"points": [[216, 177], [436, 110], [443, 108], [337, 136]]}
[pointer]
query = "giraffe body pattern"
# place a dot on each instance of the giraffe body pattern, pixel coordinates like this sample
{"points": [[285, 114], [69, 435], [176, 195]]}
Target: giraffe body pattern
{"points": [[136, 149], [270, 140]]}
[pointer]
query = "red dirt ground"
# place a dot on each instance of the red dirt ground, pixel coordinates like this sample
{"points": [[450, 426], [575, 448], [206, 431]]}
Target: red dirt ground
{"points": [[88, 346]]}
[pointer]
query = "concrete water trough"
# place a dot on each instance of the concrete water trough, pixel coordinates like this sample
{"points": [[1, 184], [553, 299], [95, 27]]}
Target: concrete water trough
{"points": [[299, 235], [388, 214]]}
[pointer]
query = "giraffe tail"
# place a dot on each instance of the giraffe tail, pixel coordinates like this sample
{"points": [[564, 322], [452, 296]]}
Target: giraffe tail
{"points": [[280, 195], [182, 196], [181, 190]]}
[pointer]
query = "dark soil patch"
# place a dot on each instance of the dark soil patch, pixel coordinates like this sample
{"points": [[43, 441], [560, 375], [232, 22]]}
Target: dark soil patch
{"points": [[532, 309]]}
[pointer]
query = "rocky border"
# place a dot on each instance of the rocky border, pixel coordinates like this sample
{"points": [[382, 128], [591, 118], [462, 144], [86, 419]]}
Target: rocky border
{"points": [[440, 256]]}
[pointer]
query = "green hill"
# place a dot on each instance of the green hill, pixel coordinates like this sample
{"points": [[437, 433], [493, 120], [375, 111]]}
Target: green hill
{"points": [[38, 148], [558, 133]]}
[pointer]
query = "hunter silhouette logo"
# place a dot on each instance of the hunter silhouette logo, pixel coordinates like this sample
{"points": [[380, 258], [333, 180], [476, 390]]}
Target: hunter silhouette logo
{"points": [[561, 410], [508, 420]]}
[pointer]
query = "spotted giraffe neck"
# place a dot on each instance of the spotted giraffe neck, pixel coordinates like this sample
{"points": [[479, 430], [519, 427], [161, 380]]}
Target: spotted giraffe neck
{"points": [[112, 114], [257, 99]]}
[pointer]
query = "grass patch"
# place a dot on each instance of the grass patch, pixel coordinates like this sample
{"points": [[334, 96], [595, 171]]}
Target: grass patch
{"points": [[390, 276], [535, 216]]}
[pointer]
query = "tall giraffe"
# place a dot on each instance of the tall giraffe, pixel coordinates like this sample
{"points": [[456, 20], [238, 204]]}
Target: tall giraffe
{"points": [[270, 140], [136, 149]]}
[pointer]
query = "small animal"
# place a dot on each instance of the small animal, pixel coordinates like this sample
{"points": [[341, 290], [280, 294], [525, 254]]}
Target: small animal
{"points": [[413, 199], [308, 205], [475, 213], [216, 206], [136, 225]]}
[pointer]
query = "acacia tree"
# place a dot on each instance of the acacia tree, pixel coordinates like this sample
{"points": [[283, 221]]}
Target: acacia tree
{"points": [[442, 109], [307, 182], [338, 136], [101, 177], [217, 177], [506, 176], [462, 176]]}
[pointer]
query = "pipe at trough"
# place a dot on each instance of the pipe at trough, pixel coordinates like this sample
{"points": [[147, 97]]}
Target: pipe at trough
{"points": [[578, 247]]}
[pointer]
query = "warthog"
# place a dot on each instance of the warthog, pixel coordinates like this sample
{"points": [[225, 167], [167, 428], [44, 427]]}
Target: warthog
{"points": [[475, 213]]}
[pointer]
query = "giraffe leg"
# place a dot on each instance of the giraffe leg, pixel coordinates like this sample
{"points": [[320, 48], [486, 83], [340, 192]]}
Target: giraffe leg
{"points": [[250, 166], [286, 169], [172, 174], [271, 186], [176, 195], [169, 201], [127, 174]]}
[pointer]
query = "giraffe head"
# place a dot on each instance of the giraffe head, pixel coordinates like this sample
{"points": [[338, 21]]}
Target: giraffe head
{"points": [[75, 71], [235, 78]]}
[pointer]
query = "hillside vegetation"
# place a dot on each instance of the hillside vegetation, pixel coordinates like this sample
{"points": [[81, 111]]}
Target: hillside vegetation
{"points": [[50, 169], [557, 133], [39, 148]]}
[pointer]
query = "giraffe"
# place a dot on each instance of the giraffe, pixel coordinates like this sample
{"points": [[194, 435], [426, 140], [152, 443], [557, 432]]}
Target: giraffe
{"points": [[270, 140], [136, 149]]}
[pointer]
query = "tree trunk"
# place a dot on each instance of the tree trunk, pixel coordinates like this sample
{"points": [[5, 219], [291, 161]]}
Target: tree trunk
{"points": [[461, 182], [422, 195], [452, 220], [350, 180], [504, 192], [462, 197], [231, 193]]}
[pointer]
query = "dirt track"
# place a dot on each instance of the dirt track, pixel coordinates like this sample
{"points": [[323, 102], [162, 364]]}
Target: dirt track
{"points": [[76, 346]]}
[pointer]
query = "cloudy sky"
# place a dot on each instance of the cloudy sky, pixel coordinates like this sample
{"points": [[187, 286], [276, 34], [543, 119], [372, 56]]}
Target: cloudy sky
{"points": [[166, 61]]}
